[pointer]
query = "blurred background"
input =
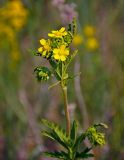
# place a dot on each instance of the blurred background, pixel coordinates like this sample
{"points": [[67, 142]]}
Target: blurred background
{"points": [[97, 95]]}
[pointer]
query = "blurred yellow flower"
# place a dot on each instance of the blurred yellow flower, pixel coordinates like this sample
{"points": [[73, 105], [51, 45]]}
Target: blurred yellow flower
{"points": [[77, 40], [58, 33], [14, 13], [89, 30], [17, 23], [6, 32], [45, 47], [92, 43], [60, 53], [13, 16], [15, 54], [9, 37]]}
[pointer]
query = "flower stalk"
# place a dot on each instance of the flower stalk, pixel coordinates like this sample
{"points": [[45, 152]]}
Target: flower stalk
{"points": [[67, 116]]}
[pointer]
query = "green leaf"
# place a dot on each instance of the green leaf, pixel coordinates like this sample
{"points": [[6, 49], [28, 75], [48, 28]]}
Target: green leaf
{"points": [[57, 75], [48, 134], [53, 64], [87, 149], [84, 155], [54, 84], [55, 69], [65, 76], [95, 137], [79, 141], [58, 138], [73, 131], [56, 154], [70, 58], [57, 133], [72, 77], [74, 26], [34, 52], [69, 27], [52, 135], [42, 73], [101, 125]]}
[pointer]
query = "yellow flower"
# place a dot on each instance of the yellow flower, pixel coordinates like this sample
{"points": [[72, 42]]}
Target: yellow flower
{"points": [[77, 40], [45, 47], [16, 16], [60, 53], [92, 44], [89, 30], [58, 33]]}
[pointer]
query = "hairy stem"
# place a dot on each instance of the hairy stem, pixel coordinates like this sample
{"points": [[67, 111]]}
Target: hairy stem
{"points": [[64, 89]]}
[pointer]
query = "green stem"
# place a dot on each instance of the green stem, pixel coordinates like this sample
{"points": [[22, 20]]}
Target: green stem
{"points": [[64, 89]]}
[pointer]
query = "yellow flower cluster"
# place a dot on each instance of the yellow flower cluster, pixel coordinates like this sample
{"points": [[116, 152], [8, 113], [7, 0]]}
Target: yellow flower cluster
{"points": [[54, 49], [88, 38]]}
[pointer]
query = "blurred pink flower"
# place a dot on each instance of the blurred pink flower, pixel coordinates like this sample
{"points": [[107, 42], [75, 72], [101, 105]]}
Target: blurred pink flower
{"points": [[67, 11], [57, 2]]}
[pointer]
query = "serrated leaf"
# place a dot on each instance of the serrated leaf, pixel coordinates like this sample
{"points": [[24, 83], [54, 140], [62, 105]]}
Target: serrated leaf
{"points": [[57, 133], [69, 27], [56, 154], [52, 135], [74, 24], [79, 141], [73, 131], [48, 134], [59, 140], [34, 52], [101, 125], [48, 124], [84, 155]]}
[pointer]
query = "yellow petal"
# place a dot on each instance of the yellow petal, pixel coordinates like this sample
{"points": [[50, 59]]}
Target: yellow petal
{"points": [[56, 56], [62, 29], [56, 51], [50, 35], [66, 52], [43, 41], [40, 49], [65, 33], [44, 53], [62, 47], [62, 58], [54, 31]]}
